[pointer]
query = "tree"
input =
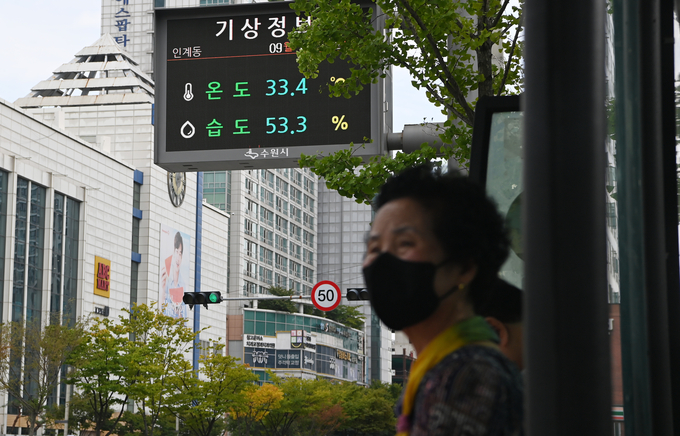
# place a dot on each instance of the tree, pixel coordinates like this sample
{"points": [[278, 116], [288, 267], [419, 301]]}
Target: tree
{"points": [[31, 359], [246, 417], [281, 305], [347, 315], [202, 403], [367, 411], [99, 371], [152, 357], [301, 400], [447, 47]]}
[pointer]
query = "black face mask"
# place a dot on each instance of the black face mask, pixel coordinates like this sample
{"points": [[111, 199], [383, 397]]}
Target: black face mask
{"points": [[402, 292]]}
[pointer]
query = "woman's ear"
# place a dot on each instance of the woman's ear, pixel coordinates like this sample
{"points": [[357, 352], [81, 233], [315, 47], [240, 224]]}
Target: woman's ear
{"points": [[500, 329]]}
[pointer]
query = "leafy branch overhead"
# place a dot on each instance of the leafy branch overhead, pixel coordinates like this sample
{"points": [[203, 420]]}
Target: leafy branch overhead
{"points": [[455, 50]]}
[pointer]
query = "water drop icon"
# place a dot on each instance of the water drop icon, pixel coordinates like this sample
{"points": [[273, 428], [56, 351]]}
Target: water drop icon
{"points": [[187, 130], [188, 95]]}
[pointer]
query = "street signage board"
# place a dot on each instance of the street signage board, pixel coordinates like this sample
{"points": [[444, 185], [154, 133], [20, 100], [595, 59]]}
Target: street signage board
{"points": [[326, 295], [229, 94]]}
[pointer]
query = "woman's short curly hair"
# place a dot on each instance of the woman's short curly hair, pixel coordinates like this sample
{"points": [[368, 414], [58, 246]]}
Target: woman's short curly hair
{"points": [[465, 221]]}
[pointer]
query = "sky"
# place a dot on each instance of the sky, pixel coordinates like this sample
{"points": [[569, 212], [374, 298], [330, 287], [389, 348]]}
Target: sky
{"points": [[41, 35]]}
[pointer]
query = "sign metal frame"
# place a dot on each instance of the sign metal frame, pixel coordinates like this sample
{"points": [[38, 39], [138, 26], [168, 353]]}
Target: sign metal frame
{"points": [[237, 158]]}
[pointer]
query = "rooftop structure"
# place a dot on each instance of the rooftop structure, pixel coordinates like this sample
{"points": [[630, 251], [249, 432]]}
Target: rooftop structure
{"points": [[102, 73]]}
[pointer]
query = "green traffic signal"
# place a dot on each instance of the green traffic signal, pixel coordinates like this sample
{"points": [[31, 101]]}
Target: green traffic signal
{"points": [[204, 298]]}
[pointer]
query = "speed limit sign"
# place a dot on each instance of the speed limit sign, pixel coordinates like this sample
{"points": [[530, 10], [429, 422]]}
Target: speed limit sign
{"points": [[326, 295]]}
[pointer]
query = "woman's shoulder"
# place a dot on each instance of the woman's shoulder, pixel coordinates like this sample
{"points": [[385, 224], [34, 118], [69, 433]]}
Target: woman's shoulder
{"points": [[472, 365], [474, 386]]}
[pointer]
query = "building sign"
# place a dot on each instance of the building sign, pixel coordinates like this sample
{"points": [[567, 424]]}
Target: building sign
{"points": [[286, 359], [259, 357], [344, 355], [122, 20], [102, 276], [259, 341], [229, 94], [174, 273], [302, 339]]}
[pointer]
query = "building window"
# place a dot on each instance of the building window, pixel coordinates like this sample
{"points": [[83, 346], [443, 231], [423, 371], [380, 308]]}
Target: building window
{"points": [[134, 282], [267, 216], [251, 187], [309, 220], [611, 214], [296, 232], [281, 187], [281, 224], [281, 243], [295, 250], [251, 269], [249, 287], [65, 236], [266, 236], [215, 190], [266, 275], [267, 196], [3, 226], [281, 205], [308, 238], [266, 256], [308, 256], [251, 249], [296, 195], [296, 213], [307, 274], [309, 185], [295, 269], [281, 281], [250, 228], [267, 177], [281, 262], [28, 248]]}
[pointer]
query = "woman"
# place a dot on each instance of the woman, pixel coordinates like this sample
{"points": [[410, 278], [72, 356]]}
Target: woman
{"points": [[434, 249]]}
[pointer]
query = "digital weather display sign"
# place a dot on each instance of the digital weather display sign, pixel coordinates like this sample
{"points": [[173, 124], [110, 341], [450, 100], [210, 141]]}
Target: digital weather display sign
{"points": [[229, 94]]}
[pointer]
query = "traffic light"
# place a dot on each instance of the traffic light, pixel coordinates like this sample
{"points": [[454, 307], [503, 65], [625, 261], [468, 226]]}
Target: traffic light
{"points": [[354, 294], [203, 298]]}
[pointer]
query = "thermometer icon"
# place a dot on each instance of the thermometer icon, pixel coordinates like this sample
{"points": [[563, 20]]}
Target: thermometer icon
{"points": [[188, 95]]}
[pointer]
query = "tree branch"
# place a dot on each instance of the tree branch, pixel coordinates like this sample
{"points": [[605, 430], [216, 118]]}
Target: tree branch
{"points": [[499, 15], [509, 62], [450, 83]]}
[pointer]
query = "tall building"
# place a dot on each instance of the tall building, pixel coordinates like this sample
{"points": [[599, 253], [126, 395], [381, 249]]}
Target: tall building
{"points": [[88, 224], [343, 224]]}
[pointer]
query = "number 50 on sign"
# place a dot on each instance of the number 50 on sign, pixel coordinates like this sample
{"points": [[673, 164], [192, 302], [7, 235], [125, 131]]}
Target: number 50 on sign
{"points": [[326, 295]]}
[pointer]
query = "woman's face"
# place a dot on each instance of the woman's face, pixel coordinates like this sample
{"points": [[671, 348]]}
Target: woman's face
{"points": [[403, 228]]}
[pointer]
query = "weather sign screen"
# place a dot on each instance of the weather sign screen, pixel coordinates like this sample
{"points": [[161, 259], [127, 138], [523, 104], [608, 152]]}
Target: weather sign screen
{"points": [[231, 82]]}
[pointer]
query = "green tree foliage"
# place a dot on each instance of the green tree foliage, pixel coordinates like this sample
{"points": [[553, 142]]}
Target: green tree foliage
{"points": [[302, 400], [31, 359], [447, 47], [99, 371], [154, 355], [282, 305], [367, 410], [347, 315], [202, 402], [132, 359], [246, 417]]}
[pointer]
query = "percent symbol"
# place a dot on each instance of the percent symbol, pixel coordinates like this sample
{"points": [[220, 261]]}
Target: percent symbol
{"points": [[338, 80], [339, 123]]}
